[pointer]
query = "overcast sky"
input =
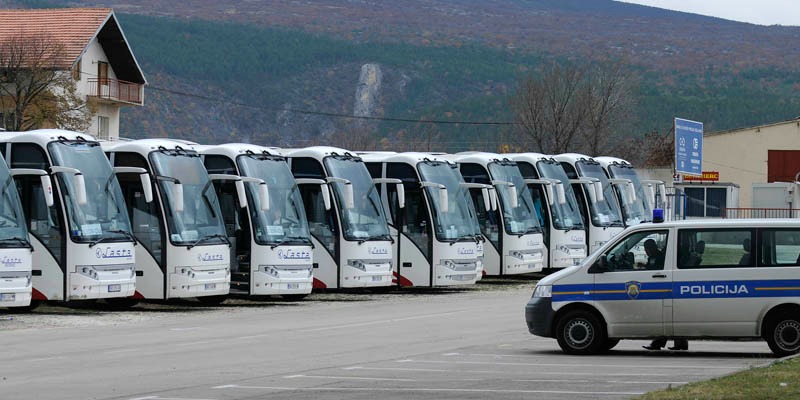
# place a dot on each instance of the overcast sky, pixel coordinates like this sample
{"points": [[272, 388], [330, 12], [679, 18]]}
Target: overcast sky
{"points": [[762, 12]]}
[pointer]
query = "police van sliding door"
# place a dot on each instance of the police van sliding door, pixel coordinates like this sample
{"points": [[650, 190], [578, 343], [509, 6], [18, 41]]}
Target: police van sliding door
{"points": [[718, 289], [635, 291]]}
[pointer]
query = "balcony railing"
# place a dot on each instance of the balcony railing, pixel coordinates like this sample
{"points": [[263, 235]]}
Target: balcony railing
{"points": [[736, 213], [116, 90]]}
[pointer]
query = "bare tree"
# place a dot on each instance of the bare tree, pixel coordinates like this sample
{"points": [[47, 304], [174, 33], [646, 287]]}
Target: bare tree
{"points": [[610, 103], [570, 107], [36, 84]]}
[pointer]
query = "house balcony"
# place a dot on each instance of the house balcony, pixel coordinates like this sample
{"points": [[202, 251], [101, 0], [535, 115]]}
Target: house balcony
{"points": [[117, 91]]}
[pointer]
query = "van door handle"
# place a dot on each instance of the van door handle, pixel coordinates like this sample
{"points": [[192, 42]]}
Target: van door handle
{"points": [[659, 275]]}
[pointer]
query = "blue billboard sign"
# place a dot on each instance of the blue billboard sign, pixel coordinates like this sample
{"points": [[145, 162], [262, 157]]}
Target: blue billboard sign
{"points": [[688, 147]]}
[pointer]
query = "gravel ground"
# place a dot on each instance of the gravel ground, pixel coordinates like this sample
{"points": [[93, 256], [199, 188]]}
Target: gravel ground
{"points": [[58, 315]]}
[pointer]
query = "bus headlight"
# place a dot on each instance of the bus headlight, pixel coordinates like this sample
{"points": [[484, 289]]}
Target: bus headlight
{"points": [[543, 291]]}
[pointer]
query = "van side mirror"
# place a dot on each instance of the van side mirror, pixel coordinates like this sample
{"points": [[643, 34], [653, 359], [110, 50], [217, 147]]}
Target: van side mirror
{"points": [[599, 266]]}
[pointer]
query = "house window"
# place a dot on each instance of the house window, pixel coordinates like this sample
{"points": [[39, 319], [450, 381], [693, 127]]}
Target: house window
{"points": [[76, 71], [705, 202], [102, 127]]}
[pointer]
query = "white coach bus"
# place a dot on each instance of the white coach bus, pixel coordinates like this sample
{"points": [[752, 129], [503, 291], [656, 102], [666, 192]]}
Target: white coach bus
{"points": [[271, 245], [184, 251], [83, 246], [352, 244], [557, 207], [15, 247], [599, 208], [435, 240], [514, 242]]}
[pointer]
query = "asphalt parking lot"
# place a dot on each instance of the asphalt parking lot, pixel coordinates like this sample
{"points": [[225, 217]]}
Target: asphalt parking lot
{"points": [[461, 344]]}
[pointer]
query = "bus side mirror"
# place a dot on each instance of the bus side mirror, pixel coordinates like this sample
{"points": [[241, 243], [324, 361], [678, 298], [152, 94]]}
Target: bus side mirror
{"points": [[493, 196], [632, 190], [80, 189], [326, 196], [512, 192], [443, 200], [349, 199], [598, 191], [147, 187], [240, 193], [487, 200], [550, 195], [562, 197], [177, 196], [263, 196], [401, 195], [47, 188]]}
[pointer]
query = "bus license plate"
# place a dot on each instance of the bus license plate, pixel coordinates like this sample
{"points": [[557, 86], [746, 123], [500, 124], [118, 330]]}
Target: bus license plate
{"points": [[377, 278], [211, 286], [8, 296], [293, 286], [114, 288]]}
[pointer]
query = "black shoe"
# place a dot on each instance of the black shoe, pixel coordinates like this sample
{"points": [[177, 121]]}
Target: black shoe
{"points": [[652, 347], [679, 348]]}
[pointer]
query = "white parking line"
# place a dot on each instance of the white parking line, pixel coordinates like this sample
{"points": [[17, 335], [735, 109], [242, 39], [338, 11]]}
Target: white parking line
{"points": [[569, 365], [354, 378], [192, 343], [190, 328], [500, 372], [45, 359], [599, 381], [325, 328], [120, 351], [425, 390], [164, 398]]}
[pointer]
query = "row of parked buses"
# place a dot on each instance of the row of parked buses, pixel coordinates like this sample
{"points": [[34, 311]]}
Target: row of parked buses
{"points": [[84, 219]]}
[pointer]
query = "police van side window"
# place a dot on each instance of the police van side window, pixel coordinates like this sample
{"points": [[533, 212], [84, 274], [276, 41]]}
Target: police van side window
{"points": [[645, 250], [779, 248], [716, 248]]}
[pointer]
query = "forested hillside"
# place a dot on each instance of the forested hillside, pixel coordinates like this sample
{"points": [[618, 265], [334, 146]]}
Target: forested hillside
{"points": [[232, 70]]}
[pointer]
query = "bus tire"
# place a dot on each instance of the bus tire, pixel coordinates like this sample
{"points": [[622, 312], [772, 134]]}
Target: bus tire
{"points": [[580, 332], [783, 334], [121, 303], [294, 297], [25, 309]]}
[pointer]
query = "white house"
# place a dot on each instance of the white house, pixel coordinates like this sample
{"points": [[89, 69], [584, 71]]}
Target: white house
{"points": [[96, 52]]}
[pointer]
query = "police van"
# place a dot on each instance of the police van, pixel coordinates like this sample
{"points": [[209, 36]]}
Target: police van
{"points": [[696, 279]]}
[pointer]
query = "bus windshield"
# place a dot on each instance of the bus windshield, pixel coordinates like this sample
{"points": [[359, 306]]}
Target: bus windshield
{"points": [[285, 221], [104, 215], [457, 222], [200, 221], [566, 216], [13, 231], [606, 212], [522, 219], [365, 221], [639, 210]]}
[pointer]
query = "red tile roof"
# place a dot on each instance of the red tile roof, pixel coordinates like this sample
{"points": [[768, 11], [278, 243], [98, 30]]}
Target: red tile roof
{"points": [[74, 27]]}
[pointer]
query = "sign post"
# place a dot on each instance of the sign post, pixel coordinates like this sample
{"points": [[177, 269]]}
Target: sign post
{"points": [[688, 147]]}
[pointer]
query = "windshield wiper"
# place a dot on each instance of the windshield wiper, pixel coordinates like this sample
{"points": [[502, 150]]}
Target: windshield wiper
{"points": [[376, 239], [106, 238], [20, 240], [207, 237], [289, 239], [529, 231]]}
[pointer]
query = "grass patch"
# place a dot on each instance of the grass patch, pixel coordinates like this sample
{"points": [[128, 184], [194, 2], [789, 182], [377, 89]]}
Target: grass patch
{"points": [[780, 380]]}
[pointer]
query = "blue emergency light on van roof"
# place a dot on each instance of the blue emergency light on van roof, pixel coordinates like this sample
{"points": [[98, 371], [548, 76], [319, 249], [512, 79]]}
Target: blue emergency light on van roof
{"points": [[658, 215]]}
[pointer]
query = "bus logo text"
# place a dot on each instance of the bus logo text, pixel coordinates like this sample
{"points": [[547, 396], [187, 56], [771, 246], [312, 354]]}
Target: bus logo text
{"points": [[10, 261], [209, 257], [378, 250], [110, 252], [294, 254]]}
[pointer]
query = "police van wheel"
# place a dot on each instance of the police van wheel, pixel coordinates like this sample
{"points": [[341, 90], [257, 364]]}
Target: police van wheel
{"points": [[580, 332], [610, 344], [783, 336]]}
